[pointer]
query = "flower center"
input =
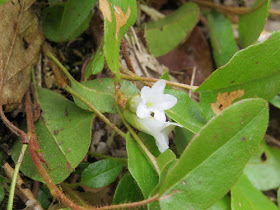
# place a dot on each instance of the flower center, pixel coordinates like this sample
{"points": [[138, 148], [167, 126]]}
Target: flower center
{"points": [[149, 104]]}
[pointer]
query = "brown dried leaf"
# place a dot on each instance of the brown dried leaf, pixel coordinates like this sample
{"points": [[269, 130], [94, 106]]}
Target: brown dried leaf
{"points": [[105, 9], [121, 18], [224, 100], [25, 52], [193, 53]]}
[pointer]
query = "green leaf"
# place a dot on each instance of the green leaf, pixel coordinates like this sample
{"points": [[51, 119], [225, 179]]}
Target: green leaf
{"points": [[43, 198], [64, 136], [222, 204], [221, 37], [182, 138], [118, 17], [150, 143], [252, 24], [127, 191], [264, 168], [3, 2], [245, 196], [164, 35], [216, 157], [140, 168], [96, 63], [101, 93], [276, 101], [65, 21], [163, 174], [101, 173], [255, 70], [165, 158], [186, 112]]}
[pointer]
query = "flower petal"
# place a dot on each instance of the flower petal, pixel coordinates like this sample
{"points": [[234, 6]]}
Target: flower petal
{"points": [[145, 93], [158, 87], [159, 115], [162, 142], [164, 101], [142, 111]]}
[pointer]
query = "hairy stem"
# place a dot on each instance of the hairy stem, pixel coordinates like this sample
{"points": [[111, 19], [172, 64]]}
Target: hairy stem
{"points": [[96, 111], [228, 9], [175, 84], [130, 205], [33, 149]]}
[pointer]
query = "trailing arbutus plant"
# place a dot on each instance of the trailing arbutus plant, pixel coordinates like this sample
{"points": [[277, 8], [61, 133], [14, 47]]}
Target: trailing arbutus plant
{"points": [[130, 134]]}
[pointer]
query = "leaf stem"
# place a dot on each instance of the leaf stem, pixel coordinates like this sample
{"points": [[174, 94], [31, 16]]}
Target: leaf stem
{"points": [[96, 111], [66, 187], [33, 150], [228, 9], [15, 175], [56, 61], [95, 154], [130, 205], [81, 98], [175, 84], [140, 143]]}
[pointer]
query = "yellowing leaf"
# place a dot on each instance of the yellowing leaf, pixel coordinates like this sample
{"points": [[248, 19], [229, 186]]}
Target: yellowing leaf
{"points": [[121, 18], [105, 9], [224, 100]]}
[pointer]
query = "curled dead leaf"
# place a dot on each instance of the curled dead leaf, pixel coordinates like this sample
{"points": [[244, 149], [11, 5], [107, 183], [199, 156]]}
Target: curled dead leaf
{"points": [[121, 18], [105, 9], [25, 52], [224, 100]]}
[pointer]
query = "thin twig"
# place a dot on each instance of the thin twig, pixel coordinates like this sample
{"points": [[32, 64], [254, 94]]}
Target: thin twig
{"points": [[228, 9], [175, 84], [130, 205], [274, 12], [192, 80]]}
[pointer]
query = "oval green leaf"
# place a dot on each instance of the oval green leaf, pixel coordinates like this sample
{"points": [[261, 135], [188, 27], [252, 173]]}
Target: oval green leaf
{"points": [[101, 173], [64, 22], [245, 196], [118, 17], [186, 112], [140, 168], [221, 37], [252, 24], [253, 72], [64, 136], [216, 157], [164, 35], [101, 93], [127, 191], [263, 169]]}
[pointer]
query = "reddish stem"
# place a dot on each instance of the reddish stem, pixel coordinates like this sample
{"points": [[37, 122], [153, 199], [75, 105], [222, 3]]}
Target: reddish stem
{"points": [[33, 149]]}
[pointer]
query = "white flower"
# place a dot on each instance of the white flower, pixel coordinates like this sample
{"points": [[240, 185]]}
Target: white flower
{"points": [[158, 129], [153, 100]]}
